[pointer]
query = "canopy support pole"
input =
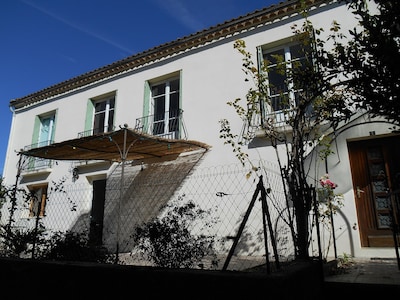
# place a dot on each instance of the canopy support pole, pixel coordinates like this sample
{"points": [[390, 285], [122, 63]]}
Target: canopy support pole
{"points": [[123, 154]]}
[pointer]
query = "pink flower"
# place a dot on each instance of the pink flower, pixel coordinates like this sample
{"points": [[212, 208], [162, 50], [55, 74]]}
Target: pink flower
{"points": [[327, 183]]}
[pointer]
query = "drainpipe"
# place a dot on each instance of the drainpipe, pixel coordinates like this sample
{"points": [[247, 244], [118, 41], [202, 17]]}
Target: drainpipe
{"points": [[12, 109]]}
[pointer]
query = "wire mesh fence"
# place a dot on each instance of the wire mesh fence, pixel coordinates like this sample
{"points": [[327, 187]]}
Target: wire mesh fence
{"points": [[165, 214]]}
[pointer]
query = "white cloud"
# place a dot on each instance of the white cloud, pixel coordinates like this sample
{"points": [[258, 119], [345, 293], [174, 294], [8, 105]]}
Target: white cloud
{"points": [[177, 10], [79, 28]]}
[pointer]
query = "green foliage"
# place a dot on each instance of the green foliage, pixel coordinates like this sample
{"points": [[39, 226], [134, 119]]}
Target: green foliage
{"points": [[18, 242], [168, 241], [36, 242], [344, 262], [3, 194], [59, 187], [61, 246], [15, 241], [230, 138], [371, 59], [322, 102], [73, 246], [325, 143]]}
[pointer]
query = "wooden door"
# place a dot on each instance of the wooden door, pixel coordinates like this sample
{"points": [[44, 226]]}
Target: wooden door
{"points": [[375, 170], [97, 212]]}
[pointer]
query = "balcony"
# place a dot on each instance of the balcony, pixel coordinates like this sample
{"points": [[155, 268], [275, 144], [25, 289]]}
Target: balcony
{"points": [[168, 125], [95, 131], [256, 126], [35, 164], [277, 121], [38, 145]]}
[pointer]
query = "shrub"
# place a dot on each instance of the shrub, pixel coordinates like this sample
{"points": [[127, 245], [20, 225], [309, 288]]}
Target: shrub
{"points": [[73, 246], [168, 241]]}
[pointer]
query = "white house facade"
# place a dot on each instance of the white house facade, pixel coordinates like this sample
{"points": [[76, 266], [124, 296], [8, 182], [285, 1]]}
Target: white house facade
{"points": [[175, 95]]}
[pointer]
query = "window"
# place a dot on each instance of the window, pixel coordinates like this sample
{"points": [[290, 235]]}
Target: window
{"points": [[165, 104], [43, 135], [46, 130], [37, 201], [282, 62], [43, 131], [162, 107], [162, 114], [99, 115], [103, 115]]}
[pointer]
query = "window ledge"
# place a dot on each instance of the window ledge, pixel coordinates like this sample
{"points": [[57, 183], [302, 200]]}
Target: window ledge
{"points": [[36, 172], [88, 166], [260, 132]]}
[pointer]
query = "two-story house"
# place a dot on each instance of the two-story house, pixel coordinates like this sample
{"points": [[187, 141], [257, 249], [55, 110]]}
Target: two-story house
{"points": [[123, 140]]}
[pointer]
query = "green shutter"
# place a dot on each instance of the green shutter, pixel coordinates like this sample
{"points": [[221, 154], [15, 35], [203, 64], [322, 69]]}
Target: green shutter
{"points": [[36, 129], [146, 105], [35, 140], [89, 117], [180, 128], [53, 132], [260, 58]]}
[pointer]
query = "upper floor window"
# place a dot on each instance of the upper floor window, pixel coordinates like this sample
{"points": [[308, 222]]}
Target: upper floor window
{"points": [[99, 115], [43, 131], [162, 115], [165, 106], [103, 115], [282, 62], [43, 135]]}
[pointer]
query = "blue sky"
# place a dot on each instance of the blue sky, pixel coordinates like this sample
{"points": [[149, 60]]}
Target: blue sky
{"points": [[44, 42]]}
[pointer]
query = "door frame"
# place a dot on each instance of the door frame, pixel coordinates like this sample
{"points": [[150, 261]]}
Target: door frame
{"points": [[371, 233]]}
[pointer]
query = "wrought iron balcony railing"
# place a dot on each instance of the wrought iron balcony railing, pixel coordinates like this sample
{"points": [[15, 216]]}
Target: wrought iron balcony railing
{"points": [[34, 164], [167, 125], [38, 145], [95, 131]]}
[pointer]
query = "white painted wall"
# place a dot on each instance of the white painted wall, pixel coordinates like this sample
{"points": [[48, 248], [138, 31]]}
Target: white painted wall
{"points": [[211, 76]]}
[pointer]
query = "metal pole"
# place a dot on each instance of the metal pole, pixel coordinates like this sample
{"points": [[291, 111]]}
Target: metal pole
{"points": [[14, 195], [333, 227], [266, 212], [241, 228], [121, 189], [123, 155]]}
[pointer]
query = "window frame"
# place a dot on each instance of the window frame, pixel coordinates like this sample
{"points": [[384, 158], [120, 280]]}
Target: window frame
{"points": [[90, 127], [38, 141], [108, 111], [170, 124], [38, 126], [269, 110], [37, 198]]}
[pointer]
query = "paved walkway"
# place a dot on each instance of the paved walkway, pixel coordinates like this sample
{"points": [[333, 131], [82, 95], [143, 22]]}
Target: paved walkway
{"points": [[368, 271]]}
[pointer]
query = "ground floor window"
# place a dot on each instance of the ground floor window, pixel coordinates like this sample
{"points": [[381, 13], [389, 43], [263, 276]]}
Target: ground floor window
{"points": [[37, 201]]}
